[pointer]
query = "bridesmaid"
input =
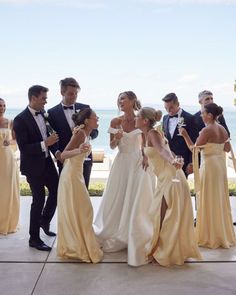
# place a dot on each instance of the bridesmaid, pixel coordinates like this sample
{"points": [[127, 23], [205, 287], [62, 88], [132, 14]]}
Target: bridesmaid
{"points": [[76, 238], [173, 239], [9, 177], [214, 226]]}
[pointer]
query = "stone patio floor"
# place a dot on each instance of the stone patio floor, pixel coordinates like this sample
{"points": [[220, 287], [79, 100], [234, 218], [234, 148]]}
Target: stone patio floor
{"points": [[25, 271]]}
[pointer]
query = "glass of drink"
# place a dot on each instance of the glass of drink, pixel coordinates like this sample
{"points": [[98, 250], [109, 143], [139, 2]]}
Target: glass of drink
{"points": [[180, 124]]}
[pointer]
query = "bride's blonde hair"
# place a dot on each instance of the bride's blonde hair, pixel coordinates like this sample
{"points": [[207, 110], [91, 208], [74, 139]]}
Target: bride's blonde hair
{"points": [[151, 114], [131, 96]]}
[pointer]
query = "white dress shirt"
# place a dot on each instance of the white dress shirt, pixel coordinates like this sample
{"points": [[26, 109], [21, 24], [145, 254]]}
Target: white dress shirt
{"points": [[173, 123], [68, 113], [42, 127]]}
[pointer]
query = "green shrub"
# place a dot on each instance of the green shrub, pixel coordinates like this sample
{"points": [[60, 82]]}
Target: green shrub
{"points": [[97, 188], [25, 189], [231, 186]]}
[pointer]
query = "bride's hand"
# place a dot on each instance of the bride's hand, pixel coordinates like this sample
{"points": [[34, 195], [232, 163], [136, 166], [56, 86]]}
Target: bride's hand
{"points": [[118, 135]]}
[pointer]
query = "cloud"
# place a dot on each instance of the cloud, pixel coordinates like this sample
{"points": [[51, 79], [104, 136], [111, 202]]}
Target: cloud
{"points": [[7, 90], [188, 78], [90, 4], [180, 2]]}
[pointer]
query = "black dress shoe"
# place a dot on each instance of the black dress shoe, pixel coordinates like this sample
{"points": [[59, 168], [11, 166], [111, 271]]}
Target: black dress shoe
{"points": [[39, 245], [47, 231], [234, 223]]}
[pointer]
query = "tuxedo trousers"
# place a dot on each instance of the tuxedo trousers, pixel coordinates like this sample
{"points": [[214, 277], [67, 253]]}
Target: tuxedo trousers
{"points": [[42, 212]]}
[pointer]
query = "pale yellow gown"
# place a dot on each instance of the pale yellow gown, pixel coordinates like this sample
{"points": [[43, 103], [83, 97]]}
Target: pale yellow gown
{"points": [[9, 186], [175, 242], [214, 226], [76, 238]]}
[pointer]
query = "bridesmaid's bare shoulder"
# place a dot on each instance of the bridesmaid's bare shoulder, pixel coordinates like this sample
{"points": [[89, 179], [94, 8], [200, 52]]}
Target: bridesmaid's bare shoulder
{"points": [[154, 136]]}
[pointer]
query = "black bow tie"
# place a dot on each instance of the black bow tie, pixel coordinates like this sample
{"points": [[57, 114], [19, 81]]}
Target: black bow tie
{"points": [[70, 107], [38, 113], [175, 116]]}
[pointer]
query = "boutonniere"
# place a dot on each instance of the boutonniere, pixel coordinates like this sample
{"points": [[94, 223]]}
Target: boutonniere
{"points": [[50, 130], [46, 115]]}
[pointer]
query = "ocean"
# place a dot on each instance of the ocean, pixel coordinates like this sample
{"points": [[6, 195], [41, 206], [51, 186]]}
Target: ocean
{"points": [[105, 116]]}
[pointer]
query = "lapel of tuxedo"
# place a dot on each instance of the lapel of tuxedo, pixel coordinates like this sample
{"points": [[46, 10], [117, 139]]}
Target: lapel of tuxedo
{"points": [[200, 121], [77, 107], [176, 131], [32, 123], [166, 127]]}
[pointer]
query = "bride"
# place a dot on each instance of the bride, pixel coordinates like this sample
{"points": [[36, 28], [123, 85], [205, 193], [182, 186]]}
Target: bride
{"points": [[122, 220]]}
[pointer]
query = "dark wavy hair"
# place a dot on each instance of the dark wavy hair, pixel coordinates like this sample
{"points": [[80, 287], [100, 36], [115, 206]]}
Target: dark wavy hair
{"points": [[214, 109], [80, 117]]}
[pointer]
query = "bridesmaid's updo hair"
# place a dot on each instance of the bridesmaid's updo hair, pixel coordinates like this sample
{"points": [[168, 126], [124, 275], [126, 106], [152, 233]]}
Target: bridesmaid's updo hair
{"points": [[2, 99], [151, 114], [214, 109], [80, 117], [131, 96]]}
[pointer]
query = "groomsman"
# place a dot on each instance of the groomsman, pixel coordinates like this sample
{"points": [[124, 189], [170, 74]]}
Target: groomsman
{"points": [[205, 97], [170, 125], [36, 163], [61, 121]]}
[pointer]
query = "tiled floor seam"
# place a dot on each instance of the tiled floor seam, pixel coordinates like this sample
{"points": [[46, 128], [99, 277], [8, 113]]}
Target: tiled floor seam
{"points": [[40, 274]]}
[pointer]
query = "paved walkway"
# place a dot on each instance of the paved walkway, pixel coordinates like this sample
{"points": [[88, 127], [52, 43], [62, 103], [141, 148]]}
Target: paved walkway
{"points": [[25, 271]]}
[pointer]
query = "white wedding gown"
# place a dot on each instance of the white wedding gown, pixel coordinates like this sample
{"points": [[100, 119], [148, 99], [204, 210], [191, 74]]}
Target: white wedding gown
{"points": [[123, 220]]}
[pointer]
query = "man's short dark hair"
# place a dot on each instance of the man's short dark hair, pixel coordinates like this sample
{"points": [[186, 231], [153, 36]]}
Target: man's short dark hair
{"points": [[36, 90], [170, 97], [69, 82]]}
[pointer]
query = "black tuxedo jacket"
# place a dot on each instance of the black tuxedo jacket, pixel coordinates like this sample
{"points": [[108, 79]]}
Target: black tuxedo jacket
{"points": [[57, 120], [201, 125], [177, 143], [28, 136]]}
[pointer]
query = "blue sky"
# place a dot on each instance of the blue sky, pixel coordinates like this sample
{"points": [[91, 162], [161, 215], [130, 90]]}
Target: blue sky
{"points": [[152, 47]]}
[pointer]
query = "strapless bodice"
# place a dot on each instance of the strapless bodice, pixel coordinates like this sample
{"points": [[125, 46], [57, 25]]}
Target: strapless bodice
{"points": [[130, 141], [210, 149]]}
